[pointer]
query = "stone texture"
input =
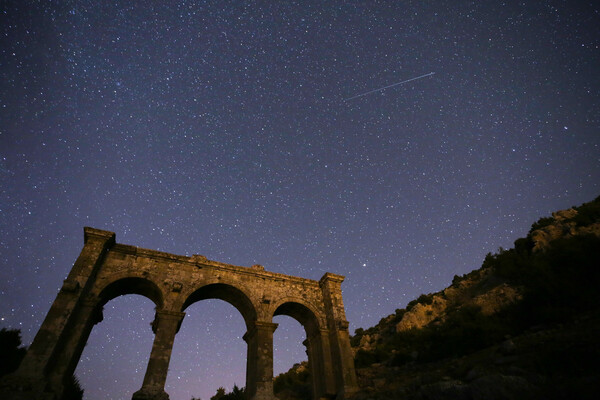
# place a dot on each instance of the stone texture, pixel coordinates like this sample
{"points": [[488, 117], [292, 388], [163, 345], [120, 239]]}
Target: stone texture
{"points": [[483, 289], [422, 314], [562, 226], [106, 269], [497, 298]]}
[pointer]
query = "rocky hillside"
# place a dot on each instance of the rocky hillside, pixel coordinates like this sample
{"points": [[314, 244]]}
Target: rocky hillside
{"points": [[487, 288], [523, 326]]}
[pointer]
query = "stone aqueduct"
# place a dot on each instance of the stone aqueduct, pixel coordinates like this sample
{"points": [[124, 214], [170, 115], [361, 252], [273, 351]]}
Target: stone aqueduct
{"points": [[106, 269]]}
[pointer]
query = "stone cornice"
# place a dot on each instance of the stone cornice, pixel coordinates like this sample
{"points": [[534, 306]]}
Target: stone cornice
{"points": [[200, 261], [89, 233], [331, 277]]}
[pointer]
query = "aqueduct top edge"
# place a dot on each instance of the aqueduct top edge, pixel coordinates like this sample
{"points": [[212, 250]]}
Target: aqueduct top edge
{"points": [[201, 261]]}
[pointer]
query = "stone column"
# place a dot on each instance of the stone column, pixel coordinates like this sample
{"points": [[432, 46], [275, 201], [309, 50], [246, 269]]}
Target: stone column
{"points": [[339, 338], [165, 326], [31, 380], [259, 370], [87, 314], [320, 364]]}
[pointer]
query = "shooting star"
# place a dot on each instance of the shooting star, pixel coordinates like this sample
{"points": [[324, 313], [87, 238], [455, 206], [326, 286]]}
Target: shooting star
{"points": [[389, 86]]}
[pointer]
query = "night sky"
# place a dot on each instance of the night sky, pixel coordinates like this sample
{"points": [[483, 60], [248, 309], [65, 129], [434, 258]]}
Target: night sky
{"points": [[223, 129]]}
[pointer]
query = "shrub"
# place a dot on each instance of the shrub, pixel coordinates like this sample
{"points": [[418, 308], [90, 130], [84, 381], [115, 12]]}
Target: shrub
{"points": [[11, 354], [588, 213], [541, 223], [366, 358], [11, 351], [293, 381]]}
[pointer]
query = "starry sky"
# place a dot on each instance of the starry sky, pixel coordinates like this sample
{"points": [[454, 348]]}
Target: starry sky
{"points": [[229, 129]]}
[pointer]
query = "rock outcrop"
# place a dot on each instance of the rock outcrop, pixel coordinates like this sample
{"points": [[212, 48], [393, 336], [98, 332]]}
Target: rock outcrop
{"points": [[537, 360], [481, 289], [562, 224]]}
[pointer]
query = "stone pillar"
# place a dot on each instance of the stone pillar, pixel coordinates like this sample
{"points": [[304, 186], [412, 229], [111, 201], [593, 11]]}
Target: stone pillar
{"points": [[259, 370], [320, 364], [165, 326], [87, 314], [31, 380], [339, 338]]}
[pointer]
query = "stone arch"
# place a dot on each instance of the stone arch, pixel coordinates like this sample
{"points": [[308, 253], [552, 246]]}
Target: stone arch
{"points": [[106, 269], [225, 291], [142, 309], [302, 311], [317, 342], [89, 312], [124, 284], [238, 297]]}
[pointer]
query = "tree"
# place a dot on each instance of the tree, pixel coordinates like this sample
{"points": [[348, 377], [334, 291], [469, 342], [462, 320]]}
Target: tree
{"points": [[235, 394], [12, 353], [72, 389], [220, 393]]}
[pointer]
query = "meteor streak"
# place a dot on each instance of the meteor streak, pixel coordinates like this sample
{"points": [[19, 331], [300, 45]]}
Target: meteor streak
{"points": [[389, 86]]}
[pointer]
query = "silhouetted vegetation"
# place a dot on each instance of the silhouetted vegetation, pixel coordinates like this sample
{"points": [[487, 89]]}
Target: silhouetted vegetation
{"points": [[364, 358], [294, 384], [235, 394], [541, 223], [588, 213], [355, 340], [12, 353], [72, 389], [559, 283], [465, 330]]}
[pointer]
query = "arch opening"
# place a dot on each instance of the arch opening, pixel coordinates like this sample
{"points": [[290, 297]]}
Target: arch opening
{"points": [[117, 349], [228, 293], [309, 379], [132, 285], [217, 356], [289, 351], [91, 311], [300, 313]]}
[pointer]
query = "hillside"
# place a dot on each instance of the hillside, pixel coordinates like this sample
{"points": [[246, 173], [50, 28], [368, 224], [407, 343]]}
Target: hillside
{"points": [[523, 326]]}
